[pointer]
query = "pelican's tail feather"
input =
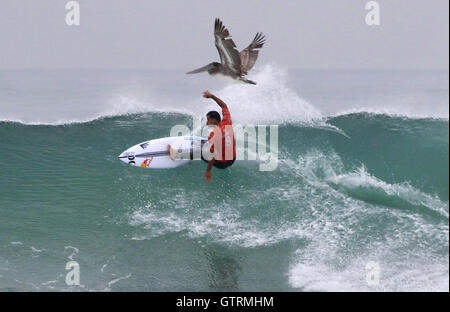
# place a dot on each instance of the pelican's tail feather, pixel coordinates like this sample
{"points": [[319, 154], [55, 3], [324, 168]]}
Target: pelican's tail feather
{"points": [[245, 80]]}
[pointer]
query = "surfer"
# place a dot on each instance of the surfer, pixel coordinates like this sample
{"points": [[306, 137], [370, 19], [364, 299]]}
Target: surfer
{"points": [[221, 136], [221, 139]]}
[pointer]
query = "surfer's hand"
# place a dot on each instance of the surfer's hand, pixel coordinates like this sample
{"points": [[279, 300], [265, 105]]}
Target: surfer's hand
{"points": [[208, 176], [207, 94]]}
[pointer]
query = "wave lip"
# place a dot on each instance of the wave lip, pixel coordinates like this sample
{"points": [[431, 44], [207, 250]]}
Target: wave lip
{"points": [[390, 112], [321, 168], [361, 185]]}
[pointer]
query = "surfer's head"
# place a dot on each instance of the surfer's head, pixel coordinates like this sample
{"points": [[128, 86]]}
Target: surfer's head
{"points": [[213, 118]]}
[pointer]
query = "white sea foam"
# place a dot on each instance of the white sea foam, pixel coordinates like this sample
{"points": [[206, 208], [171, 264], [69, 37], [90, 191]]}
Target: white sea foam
{"points": [[340, 247], [75, 251], [271, 101], [117, 280], [221, 224], [395, 275]]}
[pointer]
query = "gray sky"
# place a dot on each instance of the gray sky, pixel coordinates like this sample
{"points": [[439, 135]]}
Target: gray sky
{"points": [[177, 34]]}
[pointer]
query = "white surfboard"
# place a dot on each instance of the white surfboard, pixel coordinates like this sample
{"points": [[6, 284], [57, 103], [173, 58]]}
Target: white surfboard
{"points": [[153, 154]]}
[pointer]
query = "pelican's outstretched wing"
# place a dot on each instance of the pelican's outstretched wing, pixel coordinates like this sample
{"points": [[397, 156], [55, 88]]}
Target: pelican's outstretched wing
{"points": [[229, 55], [250, 53]]}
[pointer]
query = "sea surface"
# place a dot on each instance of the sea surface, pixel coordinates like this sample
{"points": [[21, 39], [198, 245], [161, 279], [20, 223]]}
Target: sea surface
{"points": [[359, 200]]}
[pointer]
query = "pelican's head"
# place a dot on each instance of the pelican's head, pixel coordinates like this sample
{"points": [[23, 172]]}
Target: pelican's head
{"points": [[211, 67]]}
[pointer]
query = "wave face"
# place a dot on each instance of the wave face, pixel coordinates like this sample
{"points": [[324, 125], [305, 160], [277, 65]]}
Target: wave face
{"points": [[379, 193]]}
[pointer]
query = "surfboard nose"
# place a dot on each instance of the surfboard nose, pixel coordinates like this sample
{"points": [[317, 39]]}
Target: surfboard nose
{"points": [[126, 156]]}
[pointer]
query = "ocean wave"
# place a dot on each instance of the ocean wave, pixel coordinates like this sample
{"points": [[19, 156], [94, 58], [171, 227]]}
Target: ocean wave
{"points": [[392, 113], [271, 101], [362, 185], [101, 117], [351, 223], [321, 168], [333, 204]]}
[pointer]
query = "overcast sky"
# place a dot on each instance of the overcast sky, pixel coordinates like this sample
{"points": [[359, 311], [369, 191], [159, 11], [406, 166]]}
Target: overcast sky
{"points": [[177, 34]]}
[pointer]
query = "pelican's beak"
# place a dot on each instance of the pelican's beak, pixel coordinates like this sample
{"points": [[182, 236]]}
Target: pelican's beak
{"points": [[199, 70]]}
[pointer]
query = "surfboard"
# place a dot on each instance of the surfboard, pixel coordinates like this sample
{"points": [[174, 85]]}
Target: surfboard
{"points": [[153, 154]]}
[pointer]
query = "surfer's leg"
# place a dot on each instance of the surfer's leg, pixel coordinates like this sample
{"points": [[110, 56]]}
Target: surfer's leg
{"points": [[201, 153]]}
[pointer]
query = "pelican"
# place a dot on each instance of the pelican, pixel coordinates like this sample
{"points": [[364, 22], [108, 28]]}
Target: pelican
{"points": [[233, 65]]}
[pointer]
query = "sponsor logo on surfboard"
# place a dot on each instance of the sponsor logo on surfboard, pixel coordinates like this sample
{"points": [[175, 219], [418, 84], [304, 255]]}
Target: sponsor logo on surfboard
{"points": [[146, 162]]}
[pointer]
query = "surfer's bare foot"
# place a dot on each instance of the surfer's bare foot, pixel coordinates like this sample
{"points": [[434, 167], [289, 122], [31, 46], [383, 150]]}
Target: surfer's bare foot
{"points": [[171, 152]]}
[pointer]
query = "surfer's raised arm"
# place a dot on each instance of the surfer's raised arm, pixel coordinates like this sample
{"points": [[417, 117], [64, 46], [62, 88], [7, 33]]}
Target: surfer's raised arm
{"points": [[209, 95]]}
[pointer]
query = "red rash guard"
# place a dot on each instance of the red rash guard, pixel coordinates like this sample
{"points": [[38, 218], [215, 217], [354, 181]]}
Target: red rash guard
{"points": [[225, 131]]}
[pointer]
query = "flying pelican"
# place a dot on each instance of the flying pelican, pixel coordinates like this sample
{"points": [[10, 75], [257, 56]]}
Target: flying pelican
{"points": [[233, 65]]}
